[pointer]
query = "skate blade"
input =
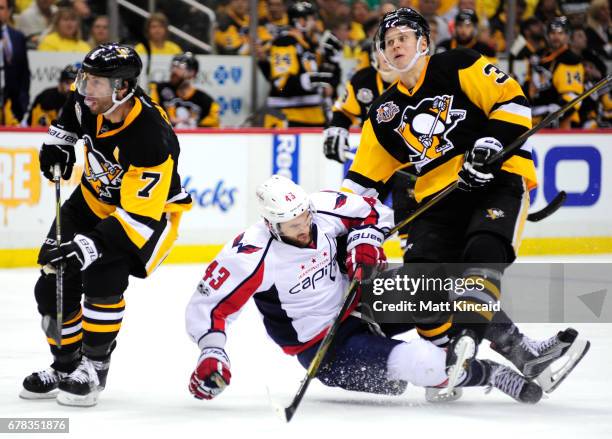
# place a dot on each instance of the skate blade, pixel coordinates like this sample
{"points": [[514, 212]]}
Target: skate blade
{"points": [[72, 400], [441, 395], [26, 394], [464, 350], [554, 374]]}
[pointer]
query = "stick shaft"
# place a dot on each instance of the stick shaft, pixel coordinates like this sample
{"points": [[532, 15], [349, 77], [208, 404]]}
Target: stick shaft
{"points": [[59, 275]]}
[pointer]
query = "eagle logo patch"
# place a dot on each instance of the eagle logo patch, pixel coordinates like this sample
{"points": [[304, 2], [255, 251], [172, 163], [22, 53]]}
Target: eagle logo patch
{"points": [[386, 112], [425, 128]]}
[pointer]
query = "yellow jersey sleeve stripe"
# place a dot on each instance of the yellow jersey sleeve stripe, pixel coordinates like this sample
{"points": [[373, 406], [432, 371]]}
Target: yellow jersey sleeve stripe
{"points": [[138, 233], [513, 118]]}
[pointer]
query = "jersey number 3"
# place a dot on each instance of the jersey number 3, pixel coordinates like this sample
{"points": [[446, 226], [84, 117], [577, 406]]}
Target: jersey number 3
{"points": [[501, 77]]}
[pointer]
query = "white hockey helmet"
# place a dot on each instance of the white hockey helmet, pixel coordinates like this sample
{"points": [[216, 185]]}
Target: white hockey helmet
{"points": [[280, 200]]}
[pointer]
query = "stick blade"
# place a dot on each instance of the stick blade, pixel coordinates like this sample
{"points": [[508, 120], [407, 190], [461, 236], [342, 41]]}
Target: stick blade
{"points": [[281, 412]]}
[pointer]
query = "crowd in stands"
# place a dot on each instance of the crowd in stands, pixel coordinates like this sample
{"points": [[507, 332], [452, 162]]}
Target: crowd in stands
{"points": [[542, 41]]}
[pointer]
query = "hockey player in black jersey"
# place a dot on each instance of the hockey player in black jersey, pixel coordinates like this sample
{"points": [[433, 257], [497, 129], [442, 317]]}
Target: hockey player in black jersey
{"points": [[445, 116], [49, 102], [352, 109], [466, 35], [186, 106], [294, 68], [122, 219]]}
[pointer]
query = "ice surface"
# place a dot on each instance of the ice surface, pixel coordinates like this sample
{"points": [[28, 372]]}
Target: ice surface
{"points": [[147, 395]]}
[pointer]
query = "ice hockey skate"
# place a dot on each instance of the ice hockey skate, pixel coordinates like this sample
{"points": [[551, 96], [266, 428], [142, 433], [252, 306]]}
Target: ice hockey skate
{"points": [[82, 387]]}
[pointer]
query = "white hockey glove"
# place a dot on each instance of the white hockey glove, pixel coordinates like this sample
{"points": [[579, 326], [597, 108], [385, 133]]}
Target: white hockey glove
{"points": [[335, 143], [475, 174], [313, 80], [82, 249], [212, 374]]}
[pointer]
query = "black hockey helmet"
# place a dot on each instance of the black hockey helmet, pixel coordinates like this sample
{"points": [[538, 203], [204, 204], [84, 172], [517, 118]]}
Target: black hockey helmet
{"points": [[186, 60], [558, 24], [114, 61], [403, 17], [466, 16], [70, 72], [300, 10]]}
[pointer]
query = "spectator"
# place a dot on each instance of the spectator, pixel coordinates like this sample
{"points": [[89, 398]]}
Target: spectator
{"points": [[274, 22], [433, 35], [386, 7], [359, 14], [547, 10], [465, 35], [156, 33], [100, 31], [232, 33], [465, 4], [427, 8], [16, 80], [186, 106], [35, 20], [598, 28], [557, 77], [48, 104], [531, 43], [498, 24], [65, 33]]}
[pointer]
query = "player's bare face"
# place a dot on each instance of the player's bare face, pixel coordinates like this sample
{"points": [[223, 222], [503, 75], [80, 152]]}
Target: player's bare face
{"points": [[96, 90], [298, 231], [178, 74], [557, 39], [400, 46]]}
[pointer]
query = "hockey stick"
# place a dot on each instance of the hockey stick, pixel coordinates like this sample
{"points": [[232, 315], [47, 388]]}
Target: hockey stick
{"points": [[500, 156], [547, 211], [534, 217], [287, 413], [59, 274]]}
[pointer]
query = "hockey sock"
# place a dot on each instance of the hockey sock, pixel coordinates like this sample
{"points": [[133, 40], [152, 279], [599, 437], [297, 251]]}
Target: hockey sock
{"points": [[102, 318]]}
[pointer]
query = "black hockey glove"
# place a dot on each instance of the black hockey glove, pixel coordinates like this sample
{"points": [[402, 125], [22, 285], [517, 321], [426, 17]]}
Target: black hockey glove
{"points": [[313, 80], [475, 173], [58, 147], [335, 144], [81, 249]]}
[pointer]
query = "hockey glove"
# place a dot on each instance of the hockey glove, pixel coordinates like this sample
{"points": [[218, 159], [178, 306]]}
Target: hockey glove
{"points": [[81, 249], [58, 147], [364, 248], [212, 375], [336, 143], [331, 47], [475, 173], [313, 80]]}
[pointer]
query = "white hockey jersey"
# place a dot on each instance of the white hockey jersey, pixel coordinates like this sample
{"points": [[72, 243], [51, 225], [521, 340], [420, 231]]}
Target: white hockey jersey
{"points": [[298, 291]]}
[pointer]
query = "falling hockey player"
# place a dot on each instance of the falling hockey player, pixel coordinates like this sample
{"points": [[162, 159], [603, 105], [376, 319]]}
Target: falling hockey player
{"points": [[288, 263]]}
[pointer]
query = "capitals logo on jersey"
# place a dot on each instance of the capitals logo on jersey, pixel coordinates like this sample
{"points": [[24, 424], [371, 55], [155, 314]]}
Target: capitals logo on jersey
{"points": [[425, 127], [103, 175]]}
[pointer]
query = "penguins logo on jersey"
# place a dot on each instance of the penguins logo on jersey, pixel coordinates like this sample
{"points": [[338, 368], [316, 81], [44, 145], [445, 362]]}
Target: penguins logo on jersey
{"points": [[425, 127], [103, 175]]}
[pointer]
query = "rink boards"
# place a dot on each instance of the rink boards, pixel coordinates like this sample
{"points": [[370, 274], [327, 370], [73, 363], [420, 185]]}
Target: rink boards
{"points": [[221, 169]]}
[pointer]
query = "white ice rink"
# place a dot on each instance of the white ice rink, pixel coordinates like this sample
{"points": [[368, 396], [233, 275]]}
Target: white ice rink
{"points": [[146, 394]]}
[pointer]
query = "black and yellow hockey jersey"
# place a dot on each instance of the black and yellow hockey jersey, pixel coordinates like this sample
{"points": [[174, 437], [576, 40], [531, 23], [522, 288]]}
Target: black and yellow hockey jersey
{"points": [[46, 107], [130, 177], [290, 55], [232, 34], [556, 80], [352, 107], [459, 98], [195, 109], [480, 47], [270, 29]]}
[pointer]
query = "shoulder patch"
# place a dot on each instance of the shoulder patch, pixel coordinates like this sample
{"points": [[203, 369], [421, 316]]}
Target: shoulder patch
{"points": [[386, 112], [365, 95], [340, 200], [244, 248]]}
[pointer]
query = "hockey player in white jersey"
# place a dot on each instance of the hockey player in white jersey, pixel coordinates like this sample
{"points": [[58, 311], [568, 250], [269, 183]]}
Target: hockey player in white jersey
{"points": [[287, 263]]}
